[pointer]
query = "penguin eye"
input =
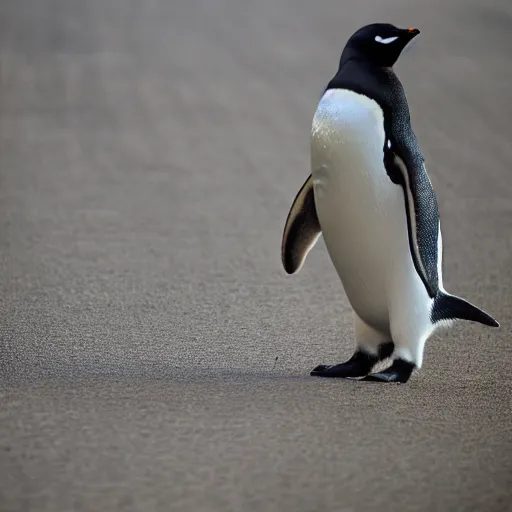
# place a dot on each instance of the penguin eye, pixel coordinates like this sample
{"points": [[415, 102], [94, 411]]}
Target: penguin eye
{"points": [[387, 40]]}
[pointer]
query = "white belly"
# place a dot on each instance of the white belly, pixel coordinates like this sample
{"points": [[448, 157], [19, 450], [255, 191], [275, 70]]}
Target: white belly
{"points": [[361, 212]]}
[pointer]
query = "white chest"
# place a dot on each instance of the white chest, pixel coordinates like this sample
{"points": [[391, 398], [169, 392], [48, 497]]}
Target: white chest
{"points": [[347, 147], [361, 211]]}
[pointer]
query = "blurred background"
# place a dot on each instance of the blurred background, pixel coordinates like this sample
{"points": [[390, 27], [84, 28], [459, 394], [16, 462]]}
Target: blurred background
{"points": [[149, 153]]}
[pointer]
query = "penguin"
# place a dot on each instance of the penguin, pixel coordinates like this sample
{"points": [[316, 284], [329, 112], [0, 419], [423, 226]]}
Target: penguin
{"points": [[370, 197]]}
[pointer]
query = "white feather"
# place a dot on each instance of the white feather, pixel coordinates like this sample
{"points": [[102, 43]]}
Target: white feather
{"points": [[387, 40]]}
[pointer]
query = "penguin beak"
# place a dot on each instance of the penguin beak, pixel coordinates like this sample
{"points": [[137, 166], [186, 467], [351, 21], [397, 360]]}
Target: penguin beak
{"points": [[409, 35]]}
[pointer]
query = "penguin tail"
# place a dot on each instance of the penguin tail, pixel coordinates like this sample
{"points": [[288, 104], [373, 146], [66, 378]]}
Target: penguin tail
{"points": [[450, 307]]}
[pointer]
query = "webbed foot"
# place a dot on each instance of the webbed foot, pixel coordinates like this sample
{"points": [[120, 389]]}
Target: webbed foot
{"points": [[400, 371], [359, 365]]}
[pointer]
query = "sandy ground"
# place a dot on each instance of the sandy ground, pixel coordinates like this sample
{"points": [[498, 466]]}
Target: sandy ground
{"points": [[149, 152]]}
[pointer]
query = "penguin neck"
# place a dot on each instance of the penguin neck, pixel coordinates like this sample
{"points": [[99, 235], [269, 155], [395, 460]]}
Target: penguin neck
{"points": [[357, 73], [351, 54]]}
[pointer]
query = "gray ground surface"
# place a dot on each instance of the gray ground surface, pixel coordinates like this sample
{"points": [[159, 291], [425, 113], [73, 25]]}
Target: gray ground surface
{"points": [[149, 152]]}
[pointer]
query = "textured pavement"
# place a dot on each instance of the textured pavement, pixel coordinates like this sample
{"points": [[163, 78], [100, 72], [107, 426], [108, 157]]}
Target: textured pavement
{"points": [[149, 153]]}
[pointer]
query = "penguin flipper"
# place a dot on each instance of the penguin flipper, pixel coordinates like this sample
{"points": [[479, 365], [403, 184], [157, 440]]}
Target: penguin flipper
{"points": [[302, 229], [408, 169]]}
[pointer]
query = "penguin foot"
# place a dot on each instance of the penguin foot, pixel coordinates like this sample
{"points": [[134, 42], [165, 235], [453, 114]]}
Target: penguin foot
{"points": [[343, 370], [359, 365], [400, 371]]}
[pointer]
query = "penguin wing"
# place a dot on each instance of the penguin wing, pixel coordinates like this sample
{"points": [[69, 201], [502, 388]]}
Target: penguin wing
{"points": [[407, 166], [302, 229]]}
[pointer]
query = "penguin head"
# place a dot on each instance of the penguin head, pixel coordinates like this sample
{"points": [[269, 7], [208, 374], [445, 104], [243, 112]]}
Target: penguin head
{"points": [[381, 43]]}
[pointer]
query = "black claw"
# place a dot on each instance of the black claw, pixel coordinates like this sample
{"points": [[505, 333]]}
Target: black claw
{"points": [[400, 371], [320, 368]]}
